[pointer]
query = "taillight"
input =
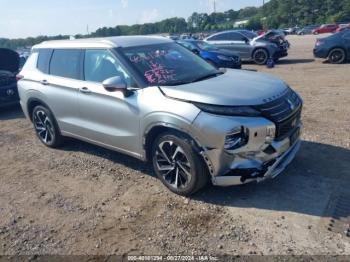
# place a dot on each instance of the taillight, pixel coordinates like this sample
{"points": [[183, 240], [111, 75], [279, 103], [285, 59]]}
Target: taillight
{"points": [[319, 42], [19, 77]]}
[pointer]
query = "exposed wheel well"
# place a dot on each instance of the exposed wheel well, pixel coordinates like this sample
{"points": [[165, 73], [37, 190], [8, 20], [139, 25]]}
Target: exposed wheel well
{"points": [[155, 132], [31, 105]]}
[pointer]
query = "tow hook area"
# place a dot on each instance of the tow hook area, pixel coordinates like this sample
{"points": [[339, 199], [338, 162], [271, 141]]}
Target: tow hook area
{"points": [[251, 173]]}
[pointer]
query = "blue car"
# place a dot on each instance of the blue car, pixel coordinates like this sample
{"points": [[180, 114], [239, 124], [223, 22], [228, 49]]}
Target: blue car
{"points": [[9, 66], [220, 58]]}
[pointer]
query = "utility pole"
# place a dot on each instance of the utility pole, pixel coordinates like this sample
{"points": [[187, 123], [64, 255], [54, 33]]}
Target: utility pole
{"points": [[87, 29], [214, 2]]}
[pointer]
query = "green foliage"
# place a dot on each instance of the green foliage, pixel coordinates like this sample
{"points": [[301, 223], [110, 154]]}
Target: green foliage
{"points": [[274, 14]]}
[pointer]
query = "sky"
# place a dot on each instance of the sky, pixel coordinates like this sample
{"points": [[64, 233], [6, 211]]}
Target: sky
{"points": [[23, 18]]}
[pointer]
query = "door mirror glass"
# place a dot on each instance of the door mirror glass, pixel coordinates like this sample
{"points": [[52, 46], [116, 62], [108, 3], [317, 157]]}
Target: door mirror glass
{"points": [[116, 83]]}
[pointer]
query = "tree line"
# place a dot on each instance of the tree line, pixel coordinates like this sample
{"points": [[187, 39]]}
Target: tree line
{"points": [[274, 14]]}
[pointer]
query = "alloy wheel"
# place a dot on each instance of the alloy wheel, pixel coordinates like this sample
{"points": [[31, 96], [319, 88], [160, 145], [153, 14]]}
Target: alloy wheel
{"points": [[337, 56], [44, 127], [260, 57], [173, 164]]}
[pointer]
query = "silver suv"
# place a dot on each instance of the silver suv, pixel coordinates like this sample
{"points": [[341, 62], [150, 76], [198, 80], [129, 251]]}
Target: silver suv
{"points": [[152, 99], [252, 47]]}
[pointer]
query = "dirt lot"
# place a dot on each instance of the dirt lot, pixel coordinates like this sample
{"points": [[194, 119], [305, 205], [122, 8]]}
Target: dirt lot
{"points": [[82, 199]]}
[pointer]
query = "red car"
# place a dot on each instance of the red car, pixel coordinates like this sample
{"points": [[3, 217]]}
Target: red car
{"points": [[343, 27], [325, 29]]}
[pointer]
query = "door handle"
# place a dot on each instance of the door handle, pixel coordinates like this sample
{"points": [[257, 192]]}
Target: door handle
{"points": [[44, 82], [85, 90]]}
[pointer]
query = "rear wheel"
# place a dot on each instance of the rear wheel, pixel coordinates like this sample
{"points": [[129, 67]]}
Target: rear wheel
{"points": [[337, 56], [177, 164], [46, 127], [260, 56]]}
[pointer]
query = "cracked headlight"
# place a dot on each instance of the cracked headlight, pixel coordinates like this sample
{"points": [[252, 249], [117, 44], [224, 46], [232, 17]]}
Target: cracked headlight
{"points": [[228, 110]]}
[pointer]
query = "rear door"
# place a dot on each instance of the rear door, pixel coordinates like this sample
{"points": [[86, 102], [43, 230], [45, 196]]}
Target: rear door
{"points": [[108, 118], [60, 84]]}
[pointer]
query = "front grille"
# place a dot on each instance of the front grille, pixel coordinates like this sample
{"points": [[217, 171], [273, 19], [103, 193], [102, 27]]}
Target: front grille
{"points": [[4, 81], [285, 112]]}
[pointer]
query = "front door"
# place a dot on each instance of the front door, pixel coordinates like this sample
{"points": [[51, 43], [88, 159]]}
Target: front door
{"points": [[109, 118]]}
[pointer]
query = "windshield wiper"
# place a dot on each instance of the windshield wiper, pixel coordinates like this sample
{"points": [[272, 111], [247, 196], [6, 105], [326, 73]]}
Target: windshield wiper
{"points": [[207, 76]]}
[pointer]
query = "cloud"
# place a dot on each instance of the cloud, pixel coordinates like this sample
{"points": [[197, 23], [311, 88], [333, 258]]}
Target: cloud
{"points": [[149, 16], [124, 3]]}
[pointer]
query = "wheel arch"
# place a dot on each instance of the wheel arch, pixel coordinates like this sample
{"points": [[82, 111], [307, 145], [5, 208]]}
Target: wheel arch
{"points": [[338, 47], [156, 129], [260, 47], [32, 103]]}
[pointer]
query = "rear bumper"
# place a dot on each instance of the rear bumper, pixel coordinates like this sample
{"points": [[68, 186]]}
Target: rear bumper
{"points": [[320, 52]]}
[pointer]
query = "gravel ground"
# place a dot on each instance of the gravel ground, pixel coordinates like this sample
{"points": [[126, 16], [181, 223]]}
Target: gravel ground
{"points": [[82, 199]]}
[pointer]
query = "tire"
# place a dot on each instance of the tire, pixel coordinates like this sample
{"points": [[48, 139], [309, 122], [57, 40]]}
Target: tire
{"points": [[337, 56], [260, 56], [46, 127], [177, 164]]}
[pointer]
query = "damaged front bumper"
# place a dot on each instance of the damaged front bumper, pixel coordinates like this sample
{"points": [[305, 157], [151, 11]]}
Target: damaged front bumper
{"points": [[261, 158]]}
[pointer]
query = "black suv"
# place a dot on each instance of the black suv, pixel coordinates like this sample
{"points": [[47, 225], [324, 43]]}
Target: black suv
{"points": [[335, 48], [9, 65]]}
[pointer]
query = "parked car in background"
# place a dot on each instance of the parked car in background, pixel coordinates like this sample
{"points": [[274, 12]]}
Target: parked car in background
{"points": [[9, 65], [154, 100], [343, 27], [323, 29], [307, 30], [250, 46], [212, 54], [335, 48], [291, 30]]}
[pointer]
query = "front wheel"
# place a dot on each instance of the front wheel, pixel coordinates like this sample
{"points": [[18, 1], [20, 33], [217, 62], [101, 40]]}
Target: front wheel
{"points": [[337, 56], [177, 164], [46, 127], [260, 56]]}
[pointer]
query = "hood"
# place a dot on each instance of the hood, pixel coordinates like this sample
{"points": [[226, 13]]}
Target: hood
{"points": [[9, 60], [234, 88]]}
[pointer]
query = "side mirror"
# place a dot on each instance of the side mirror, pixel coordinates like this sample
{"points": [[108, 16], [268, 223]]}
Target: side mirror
{"points": [[114, 84]]}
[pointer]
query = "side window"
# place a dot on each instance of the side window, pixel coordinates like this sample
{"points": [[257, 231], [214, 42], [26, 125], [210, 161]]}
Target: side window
{"points": [[66, 63], [44, 60], [236, 37], [100, 65], [223, 36], [188, 45]]}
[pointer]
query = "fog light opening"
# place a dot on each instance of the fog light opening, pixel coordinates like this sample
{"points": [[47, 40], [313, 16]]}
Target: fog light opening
{"points": [[236, 138]]}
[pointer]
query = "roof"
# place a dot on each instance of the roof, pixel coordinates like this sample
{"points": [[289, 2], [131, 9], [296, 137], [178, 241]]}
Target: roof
{"points": [[107, 42]]}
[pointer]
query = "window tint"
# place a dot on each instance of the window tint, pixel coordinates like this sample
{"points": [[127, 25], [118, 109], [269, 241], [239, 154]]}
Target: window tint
{"points": [[66, 63], [228, 37], [187, 45], [100, 65], [235, 37], [44, 60], [223, 36]]}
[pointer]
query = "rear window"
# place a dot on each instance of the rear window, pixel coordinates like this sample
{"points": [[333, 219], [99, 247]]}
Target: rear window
{"points": [[44, 56], [66, 63]]}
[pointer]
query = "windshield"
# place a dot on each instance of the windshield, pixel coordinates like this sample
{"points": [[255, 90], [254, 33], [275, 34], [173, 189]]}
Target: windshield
{"points": [[205, 46], [168, 64]]}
